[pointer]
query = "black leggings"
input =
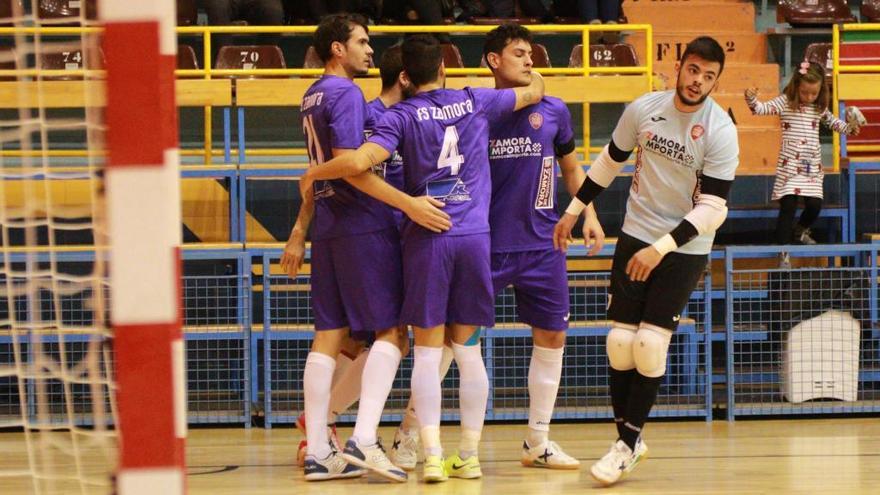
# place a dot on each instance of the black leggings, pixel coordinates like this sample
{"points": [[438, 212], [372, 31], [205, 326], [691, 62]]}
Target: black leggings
{"points": [[787, 208]]}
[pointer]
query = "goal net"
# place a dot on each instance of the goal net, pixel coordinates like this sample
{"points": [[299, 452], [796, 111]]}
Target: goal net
{"points": [[91, 366]]}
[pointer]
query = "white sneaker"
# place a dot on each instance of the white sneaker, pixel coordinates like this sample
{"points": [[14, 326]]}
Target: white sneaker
{"points": [[372, 457], [405, 450], [619, 461], [331, 468], [547, 455]]}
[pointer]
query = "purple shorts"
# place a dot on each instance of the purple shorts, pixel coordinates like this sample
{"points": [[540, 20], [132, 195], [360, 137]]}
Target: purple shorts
{"points": [[357, 282], [447, 279], [540, 285]]}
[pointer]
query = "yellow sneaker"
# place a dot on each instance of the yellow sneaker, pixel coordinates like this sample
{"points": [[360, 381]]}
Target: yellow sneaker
{"points": [[468, 468], [434, 470]]}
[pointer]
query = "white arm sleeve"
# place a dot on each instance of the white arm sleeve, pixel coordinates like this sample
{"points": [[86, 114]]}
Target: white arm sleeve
{"points": [[604, 169], [708, 214]]}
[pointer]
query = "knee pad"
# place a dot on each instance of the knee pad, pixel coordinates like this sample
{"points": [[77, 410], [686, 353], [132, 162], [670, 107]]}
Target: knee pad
{"points": [[649, 350], [619, 346]]}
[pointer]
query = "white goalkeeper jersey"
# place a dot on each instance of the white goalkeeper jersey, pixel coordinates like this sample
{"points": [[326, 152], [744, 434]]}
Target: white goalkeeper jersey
{"points": [[675, 150]]}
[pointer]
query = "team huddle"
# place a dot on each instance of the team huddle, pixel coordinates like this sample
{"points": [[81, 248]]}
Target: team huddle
{"points": [[451, 198]]}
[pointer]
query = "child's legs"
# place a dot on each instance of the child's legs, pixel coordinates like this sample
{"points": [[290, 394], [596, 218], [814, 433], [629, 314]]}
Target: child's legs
{"points": [[787, 207], [812, 208]]}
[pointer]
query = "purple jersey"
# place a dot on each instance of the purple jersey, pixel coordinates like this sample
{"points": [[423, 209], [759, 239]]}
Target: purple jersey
{"points": [[444, 137], [391, 169], [522, 154], [334, 115]]}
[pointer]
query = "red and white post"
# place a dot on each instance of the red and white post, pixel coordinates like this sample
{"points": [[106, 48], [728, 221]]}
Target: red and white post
{"points": [[143, 213]]}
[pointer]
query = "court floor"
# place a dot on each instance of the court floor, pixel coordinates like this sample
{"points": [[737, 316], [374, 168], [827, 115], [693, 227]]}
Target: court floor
{"points": [[757, 456]]}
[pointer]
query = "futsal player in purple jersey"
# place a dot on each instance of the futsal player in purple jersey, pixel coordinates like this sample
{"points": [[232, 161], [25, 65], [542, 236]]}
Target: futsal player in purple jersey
{"points": [[524, 149], [443, 136], [356, 267]]}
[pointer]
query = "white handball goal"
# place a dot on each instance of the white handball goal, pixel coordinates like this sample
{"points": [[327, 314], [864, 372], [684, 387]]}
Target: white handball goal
{"points": [[92, 395]]}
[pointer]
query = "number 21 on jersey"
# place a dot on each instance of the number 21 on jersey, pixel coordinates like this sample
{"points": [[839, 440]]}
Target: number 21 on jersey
{"points": [[449, 155]]}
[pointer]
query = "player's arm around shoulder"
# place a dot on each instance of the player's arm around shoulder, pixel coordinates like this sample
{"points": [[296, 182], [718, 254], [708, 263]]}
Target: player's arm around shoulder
{"points": [[531, 94]]}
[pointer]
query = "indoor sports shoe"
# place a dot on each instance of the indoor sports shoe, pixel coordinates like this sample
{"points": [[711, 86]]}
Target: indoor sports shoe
{"points": [[434, 471], [547, 455], [331, 468], [619, 461], [301, 453], [404, 451], [468, 469], [802, 236], [372, 457]]}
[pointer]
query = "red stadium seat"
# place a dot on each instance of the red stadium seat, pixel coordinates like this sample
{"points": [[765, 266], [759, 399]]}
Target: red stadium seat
{"points": [[73, 59], [186, 58], [312, 60], [187, 13], [813, 12], [451, 56], [871, 10], [7, 12], [610, 55], [66, 10], [821, 54], [250, 57]]}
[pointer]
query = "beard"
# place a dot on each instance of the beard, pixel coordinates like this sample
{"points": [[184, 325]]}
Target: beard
{"points": [[682, 96]]}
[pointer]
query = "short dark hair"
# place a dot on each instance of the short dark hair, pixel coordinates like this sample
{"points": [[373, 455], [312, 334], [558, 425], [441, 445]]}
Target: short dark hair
{"points": [[421, 58], [707, 49], [390, 66], [333, 28], [499, 37]]}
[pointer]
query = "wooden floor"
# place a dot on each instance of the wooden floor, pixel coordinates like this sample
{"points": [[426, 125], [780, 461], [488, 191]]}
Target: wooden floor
{"points": [[785, 456]]}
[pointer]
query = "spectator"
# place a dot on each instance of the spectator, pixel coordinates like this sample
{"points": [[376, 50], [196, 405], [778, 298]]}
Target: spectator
{"points": [[254, 12], [318, 9], [424, 12], [591, 11], [529, 8]]}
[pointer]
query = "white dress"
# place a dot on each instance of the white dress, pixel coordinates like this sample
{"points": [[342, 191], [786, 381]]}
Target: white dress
{"points": [[799, 167]]}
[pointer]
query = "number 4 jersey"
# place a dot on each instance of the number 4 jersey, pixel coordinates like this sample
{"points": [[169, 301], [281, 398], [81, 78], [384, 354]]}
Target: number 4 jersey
{"points": [[522, 151], [443, 136], [335, 115]]}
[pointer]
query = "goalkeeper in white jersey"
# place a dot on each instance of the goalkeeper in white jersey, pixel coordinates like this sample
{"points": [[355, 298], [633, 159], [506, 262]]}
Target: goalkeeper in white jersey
{"points": [[685, 165]]}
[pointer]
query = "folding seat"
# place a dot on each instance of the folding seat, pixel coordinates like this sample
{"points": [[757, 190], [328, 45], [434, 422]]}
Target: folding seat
{"points": [[813, 12], [608, 55], [451, 56], [871, 10], [186, 58]]}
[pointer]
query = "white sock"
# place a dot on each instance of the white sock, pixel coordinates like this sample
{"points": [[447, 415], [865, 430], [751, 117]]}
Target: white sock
{"points": [[379, 372], [410, 420], [545, 370], [317, 377], [427, 396], [469, 443], [346, 387], [473, 390]]}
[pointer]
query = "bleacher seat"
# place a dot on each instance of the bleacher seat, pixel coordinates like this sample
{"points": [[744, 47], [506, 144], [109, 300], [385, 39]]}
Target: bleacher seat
{"points": [[451, 56], [494, 21], [250, 57], [608, 55], [64, 9], [70, 60], [813, 12], [540, 58], [186, 58], [7, 61], [6, 10], [820, 53], [871, 10], [187, 13], [312, 60]]}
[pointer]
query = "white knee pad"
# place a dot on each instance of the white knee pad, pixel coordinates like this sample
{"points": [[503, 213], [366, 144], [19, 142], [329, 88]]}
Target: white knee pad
{"points": [[619, 346], [649, 350]]}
